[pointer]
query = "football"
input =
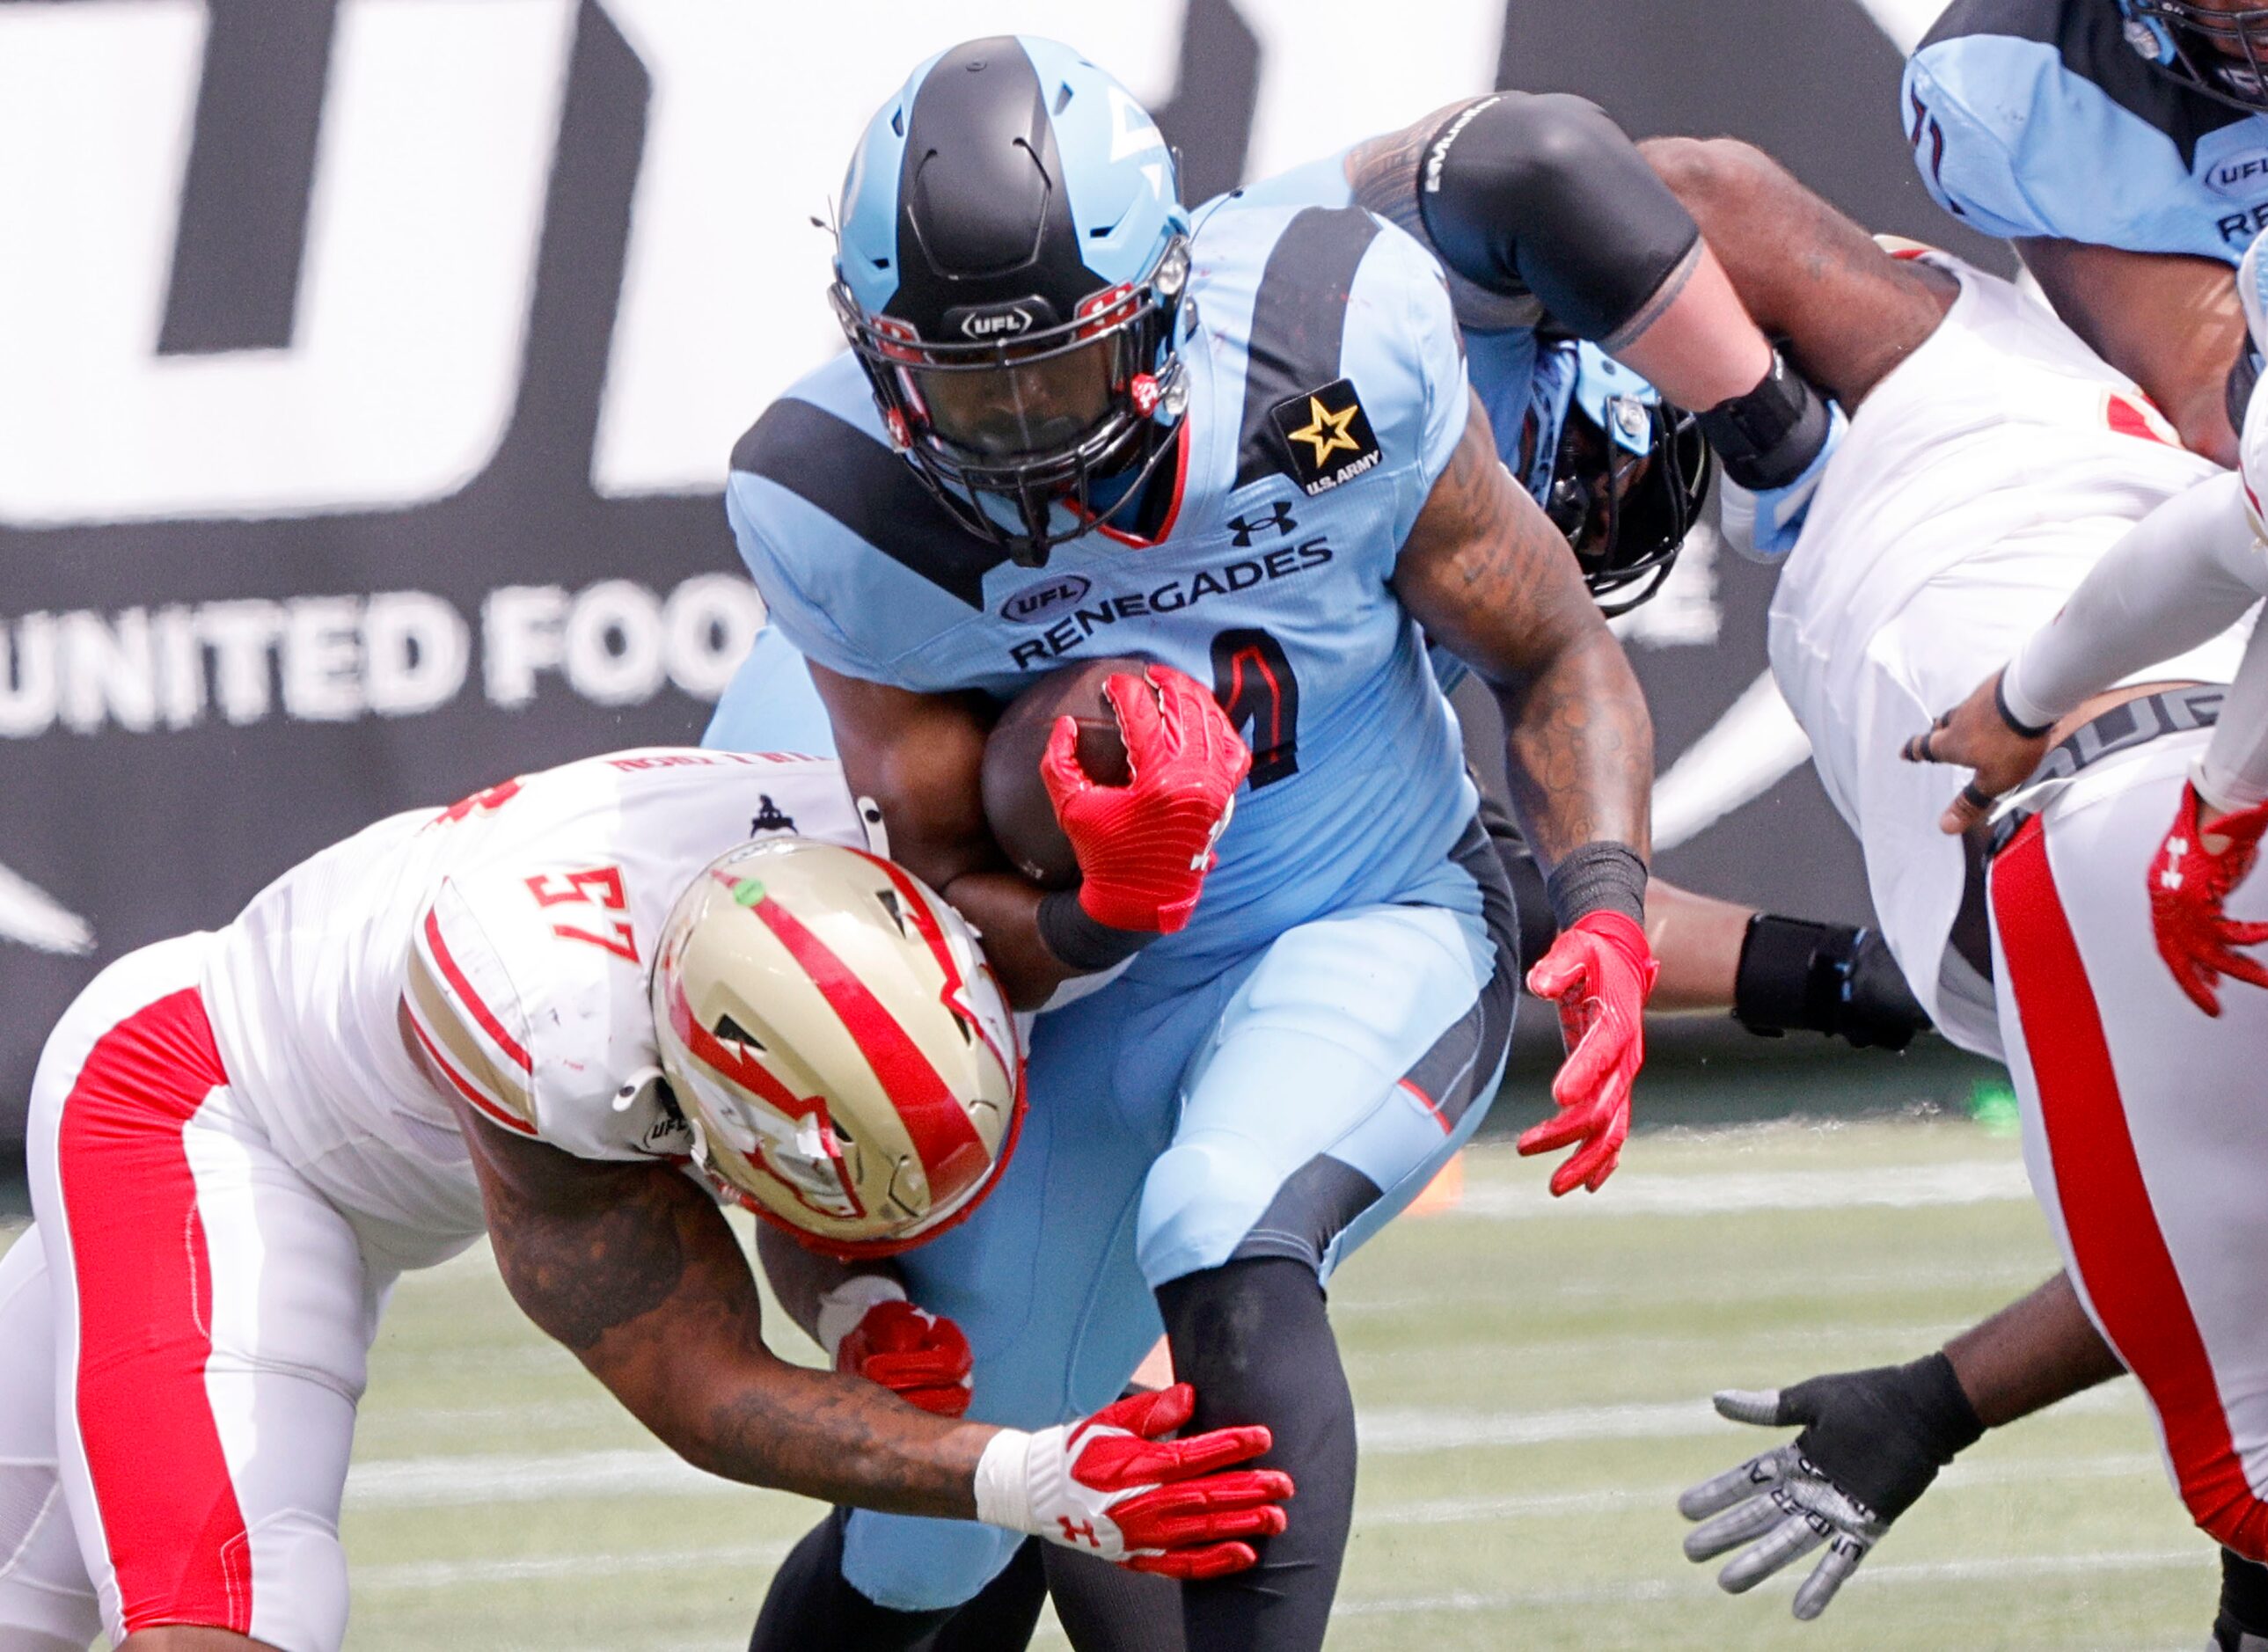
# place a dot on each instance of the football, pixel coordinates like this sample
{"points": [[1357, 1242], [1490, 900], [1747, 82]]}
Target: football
{"points": [[1016, 804]]}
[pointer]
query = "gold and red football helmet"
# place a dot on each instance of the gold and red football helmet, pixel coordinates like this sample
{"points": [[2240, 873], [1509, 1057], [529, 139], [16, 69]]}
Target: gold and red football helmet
{"points": [[835, 1040]]}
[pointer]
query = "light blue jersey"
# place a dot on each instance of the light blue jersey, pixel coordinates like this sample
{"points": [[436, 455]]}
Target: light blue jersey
{"points": [[2040, 118], [1499, 361], [1327, 393]]}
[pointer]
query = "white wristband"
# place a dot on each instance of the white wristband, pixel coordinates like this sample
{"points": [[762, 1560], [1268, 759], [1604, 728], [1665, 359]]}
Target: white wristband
{"points": [[841, 1307], [1004, 1481]]}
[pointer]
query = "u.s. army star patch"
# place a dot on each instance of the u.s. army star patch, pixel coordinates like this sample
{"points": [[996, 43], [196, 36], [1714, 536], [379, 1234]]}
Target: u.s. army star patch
{"points": [[1327, 434]]}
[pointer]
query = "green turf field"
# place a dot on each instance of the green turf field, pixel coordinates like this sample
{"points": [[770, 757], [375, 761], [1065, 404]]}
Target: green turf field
{"points": [[1532, 1383]]}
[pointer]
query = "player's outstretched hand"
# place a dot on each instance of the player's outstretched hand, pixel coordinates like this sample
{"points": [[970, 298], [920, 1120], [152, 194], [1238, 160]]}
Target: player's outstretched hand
{"points": [[2190, 877], [1872, 1442], [1110, 1486], [1875, 1008], [1601, 971], [1978, 734], [921, 1357], [1143, 848]]}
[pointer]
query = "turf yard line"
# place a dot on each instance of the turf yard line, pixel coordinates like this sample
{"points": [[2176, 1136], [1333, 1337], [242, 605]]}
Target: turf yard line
{"points": [[1379, 1363], [420, 1574], [1645, 1588], [1349, 1288], [1447, 1511], [1395, 1431], [475, 1478], [1722, 1193], [432, 1482]]}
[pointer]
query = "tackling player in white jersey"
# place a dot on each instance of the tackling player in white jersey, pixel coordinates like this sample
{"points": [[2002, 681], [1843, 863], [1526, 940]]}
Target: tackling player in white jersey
{"points": [[575, 1011], [2138, 1072], [1991, 461]]}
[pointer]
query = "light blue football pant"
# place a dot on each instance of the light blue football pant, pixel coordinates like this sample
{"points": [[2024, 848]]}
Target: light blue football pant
{"points": [[1287, 1107]]}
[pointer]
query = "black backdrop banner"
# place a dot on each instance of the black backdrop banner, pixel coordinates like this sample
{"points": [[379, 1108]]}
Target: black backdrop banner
{"points": [[367, 370]]}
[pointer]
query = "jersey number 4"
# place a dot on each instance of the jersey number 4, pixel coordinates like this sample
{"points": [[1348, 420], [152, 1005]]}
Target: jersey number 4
{"points": [[1252, 679], [600, 886]]}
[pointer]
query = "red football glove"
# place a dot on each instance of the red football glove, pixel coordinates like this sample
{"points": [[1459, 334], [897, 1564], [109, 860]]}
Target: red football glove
{"points": [[1143, 848], [1110, 1487], [2188, 883], [919, 1357], [1601, 973]]}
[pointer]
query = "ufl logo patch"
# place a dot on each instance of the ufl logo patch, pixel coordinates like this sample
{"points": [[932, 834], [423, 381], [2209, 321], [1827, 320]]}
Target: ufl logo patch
{"points": [[1327, 434]]}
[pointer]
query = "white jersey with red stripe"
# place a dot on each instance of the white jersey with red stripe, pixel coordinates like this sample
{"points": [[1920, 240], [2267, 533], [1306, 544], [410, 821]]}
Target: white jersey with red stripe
{"points": [[1981, 478], [510, 936], [2142, 1119]]}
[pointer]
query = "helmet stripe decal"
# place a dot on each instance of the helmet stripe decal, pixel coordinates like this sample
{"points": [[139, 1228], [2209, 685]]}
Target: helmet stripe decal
{"points": [[952, 1156], [463, 989], [953, 994]]}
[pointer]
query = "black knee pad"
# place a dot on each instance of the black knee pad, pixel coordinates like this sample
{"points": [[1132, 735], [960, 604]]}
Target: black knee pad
{"points": [[1541, 193], [1255, 1340]]}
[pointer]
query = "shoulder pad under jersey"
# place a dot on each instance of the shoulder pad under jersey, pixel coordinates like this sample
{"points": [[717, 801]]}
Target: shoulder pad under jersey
{"points": [[536, 1027], [2036, 118]]}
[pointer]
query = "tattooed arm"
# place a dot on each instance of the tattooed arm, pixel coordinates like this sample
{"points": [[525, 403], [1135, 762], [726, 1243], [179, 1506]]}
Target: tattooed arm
{"points": [[920, 757], [1848, 310], [636, 1270], [1490, 578], [1538, 202]]}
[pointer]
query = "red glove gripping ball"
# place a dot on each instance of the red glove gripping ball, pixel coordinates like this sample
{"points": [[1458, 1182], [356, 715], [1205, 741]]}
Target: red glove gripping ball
{"points": [[1143, 848]]}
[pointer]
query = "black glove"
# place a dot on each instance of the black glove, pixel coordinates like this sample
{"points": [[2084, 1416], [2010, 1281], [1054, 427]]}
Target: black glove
{"points": [[1872, 1442], [1828, 977]]}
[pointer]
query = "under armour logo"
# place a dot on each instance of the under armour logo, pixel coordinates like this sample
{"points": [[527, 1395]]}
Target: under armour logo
{"points": [[769, 818], [1279, 518], [1083, 1532]]}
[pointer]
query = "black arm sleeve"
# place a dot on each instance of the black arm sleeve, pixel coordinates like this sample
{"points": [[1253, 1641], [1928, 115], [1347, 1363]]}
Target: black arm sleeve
{"points": [[1541, 193]]}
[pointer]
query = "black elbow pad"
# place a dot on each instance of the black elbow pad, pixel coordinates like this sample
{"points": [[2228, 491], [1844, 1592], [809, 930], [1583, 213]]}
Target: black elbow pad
{"points": [[1540, 193]]}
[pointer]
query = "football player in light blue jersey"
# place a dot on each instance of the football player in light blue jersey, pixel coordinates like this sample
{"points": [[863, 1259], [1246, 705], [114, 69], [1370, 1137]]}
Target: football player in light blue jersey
{"points": [[1533, 194], [2123, 145], [1079, 422]]}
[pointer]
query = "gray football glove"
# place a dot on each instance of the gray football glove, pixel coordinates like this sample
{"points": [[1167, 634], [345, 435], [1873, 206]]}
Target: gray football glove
{"points": [[1872, 1442], [1783, 1501]]}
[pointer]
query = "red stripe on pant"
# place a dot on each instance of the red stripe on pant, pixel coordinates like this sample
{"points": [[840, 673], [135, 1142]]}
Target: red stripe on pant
{"points": [[143, 1284], [2122, 1257]]}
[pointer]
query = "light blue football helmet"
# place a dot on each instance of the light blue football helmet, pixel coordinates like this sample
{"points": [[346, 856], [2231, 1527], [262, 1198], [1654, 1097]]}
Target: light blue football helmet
{"points": [[1011, 253]]}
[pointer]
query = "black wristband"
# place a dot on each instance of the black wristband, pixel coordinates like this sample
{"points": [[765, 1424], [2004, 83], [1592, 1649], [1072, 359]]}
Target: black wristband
{"points": [[1796, 976], [2236, 391], [1788, 978], [2016, 725], [1081, 941], [1597, 878], [1769, 437]]}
